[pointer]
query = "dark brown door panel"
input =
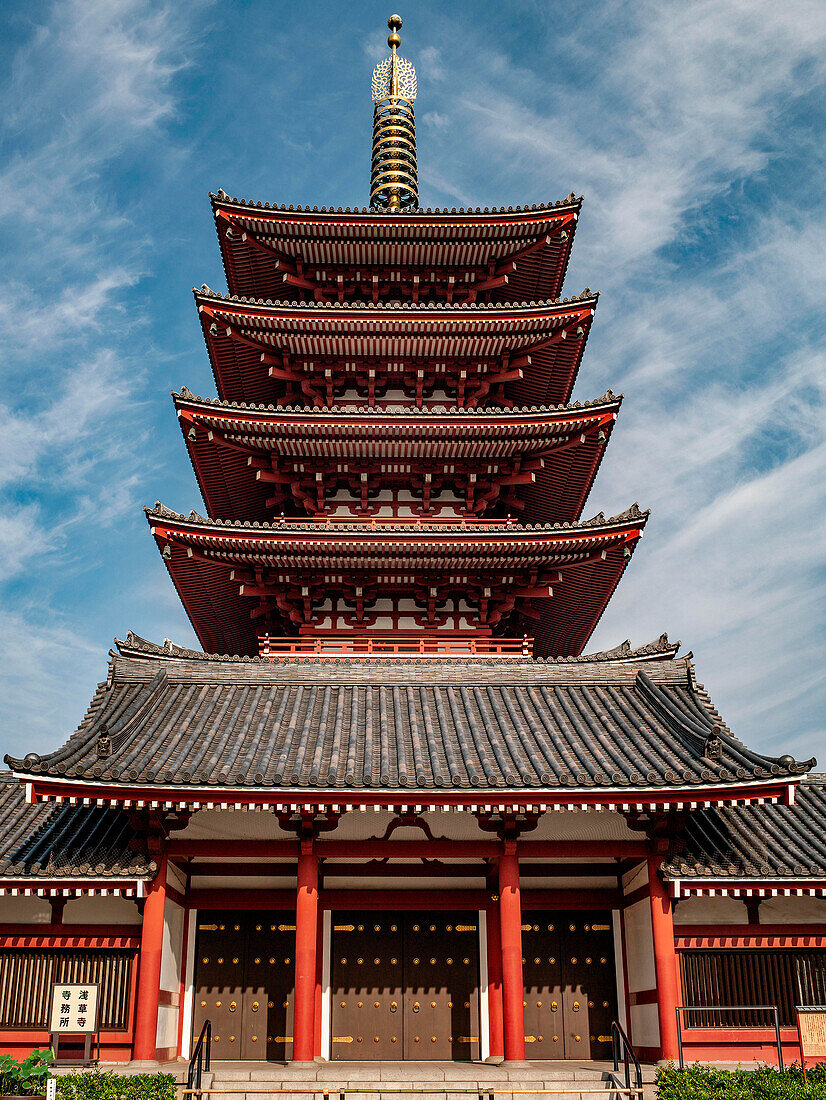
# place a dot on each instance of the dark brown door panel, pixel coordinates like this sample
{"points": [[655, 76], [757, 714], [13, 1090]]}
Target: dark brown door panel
{"points": [[570, 984], [367, 987]]}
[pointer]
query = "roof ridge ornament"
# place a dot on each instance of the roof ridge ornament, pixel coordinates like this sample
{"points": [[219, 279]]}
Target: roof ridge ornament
{"points": [[394, 181]]}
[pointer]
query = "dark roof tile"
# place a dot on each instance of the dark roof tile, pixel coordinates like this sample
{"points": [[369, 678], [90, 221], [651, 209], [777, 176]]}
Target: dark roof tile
{"points": [[757, 841], [168, 717], [60, 842]]}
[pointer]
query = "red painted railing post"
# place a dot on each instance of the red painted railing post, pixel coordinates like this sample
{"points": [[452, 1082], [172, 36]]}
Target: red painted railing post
{"points": [[306, 936], [665, 961], [149, 972], [510, 911]]}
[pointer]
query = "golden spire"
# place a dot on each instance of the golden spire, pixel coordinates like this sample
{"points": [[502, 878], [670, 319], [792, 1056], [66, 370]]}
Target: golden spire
{"points": [[394, 183]]}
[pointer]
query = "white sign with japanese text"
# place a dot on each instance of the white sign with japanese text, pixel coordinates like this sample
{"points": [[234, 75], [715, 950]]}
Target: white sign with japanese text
{"points": [[74, 1008]]}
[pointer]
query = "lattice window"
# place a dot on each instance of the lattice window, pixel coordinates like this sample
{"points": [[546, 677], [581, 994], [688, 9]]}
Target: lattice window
{"points": [[781, 978], [26, 979]]}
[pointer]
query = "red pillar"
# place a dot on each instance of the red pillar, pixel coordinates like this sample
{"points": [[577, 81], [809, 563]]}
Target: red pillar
{"points": [[665, 961], [496, 1039], [306, 934], [510, 910], [149, 973]]}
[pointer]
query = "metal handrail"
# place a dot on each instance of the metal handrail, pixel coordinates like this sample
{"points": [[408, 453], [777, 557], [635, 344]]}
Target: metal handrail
{"points": [[729, 1008], [621, 1047], [199, 1060]]}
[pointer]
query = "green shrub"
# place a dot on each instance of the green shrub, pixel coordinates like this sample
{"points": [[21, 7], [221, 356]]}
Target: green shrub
{"points": [[97, 1084], [27, 1077], [700, 1082]]}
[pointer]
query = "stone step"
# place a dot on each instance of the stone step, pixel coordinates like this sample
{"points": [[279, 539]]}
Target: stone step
{"points": [[556, 1090], [262, 1084]]}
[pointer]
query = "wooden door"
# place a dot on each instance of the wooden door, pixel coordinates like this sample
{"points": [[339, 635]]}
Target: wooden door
{"points": [[542, 979], [269, 987], [367, 987], [441, 982], [590, 989], [219, 983]]}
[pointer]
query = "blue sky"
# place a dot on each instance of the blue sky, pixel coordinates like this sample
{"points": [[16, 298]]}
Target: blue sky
{"points": [[694, 131]]}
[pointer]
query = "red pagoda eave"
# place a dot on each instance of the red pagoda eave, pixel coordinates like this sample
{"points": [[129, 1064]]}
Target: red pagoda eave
{"points": [[503, 800], [502, 256], [233, 578], [252, 463], [302, 353]]}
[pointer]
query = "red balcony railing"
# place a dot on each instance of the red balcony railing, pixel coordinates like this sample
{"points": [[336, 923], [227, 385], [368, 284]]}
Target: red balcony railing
{"points": [[455, 645]]}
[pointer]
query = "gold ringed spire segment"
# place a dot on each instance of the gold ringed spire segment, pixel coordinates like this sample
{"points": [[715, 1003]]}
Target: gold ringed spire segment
{"points": [[394, 182]]}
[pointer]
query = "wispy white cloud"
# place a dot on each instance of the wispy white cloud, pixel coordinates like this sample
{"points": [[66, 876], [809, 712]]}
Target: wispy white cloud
{"points": [[91, 88], [49, 670], [671, 119]]}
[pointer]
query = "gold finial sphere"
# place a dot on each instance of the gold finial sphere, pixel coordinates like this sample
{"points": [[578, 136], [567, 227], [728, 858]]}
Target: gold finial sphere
{"points": [[395, 25], [393, 41], [395, 22]]}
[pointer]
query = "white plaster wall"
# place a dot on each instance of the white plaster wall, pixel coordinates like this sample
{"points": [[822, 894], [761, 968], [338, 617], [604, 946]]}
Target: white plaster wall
{"points": [[639, 948], [23, 910], [167, 1034], [635, 878], [582, 825], [90, 910], [189, 985], [645, 1026], [711, 911], [358, 825], [793, 911], [232, 825], [243, 882], [173, 941], [176, 877]]}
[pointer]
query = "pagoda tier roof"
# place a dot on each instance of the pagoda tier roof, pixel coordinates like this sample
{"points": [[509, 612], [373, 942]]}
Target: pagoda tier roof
{"points": [[492, 255], [756, 842], [263, 350], [612, 733], [242, 454], [48, 842], [229, 575]]}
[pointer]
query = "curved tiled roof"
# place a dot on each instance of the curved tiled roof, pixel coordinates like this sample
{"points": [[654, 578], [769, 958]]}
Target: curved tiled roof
{"points": [[453, 411], [49, 841], [756, 841], [632, 514], [570, 200], [384, 726], [587, 295]]}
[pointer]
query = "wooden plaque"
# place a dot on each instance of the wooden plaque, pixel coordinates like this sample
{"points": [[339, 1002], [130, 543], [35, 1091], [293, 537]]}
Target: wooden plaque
{"points": [[74, 1008], [811, 1027]]}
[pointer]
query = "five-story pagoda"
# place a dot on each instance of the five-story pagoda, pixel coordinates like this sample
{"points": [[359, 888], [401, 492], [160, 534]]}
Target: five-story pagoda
{"points": [[390, 811], [392, 466]]}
